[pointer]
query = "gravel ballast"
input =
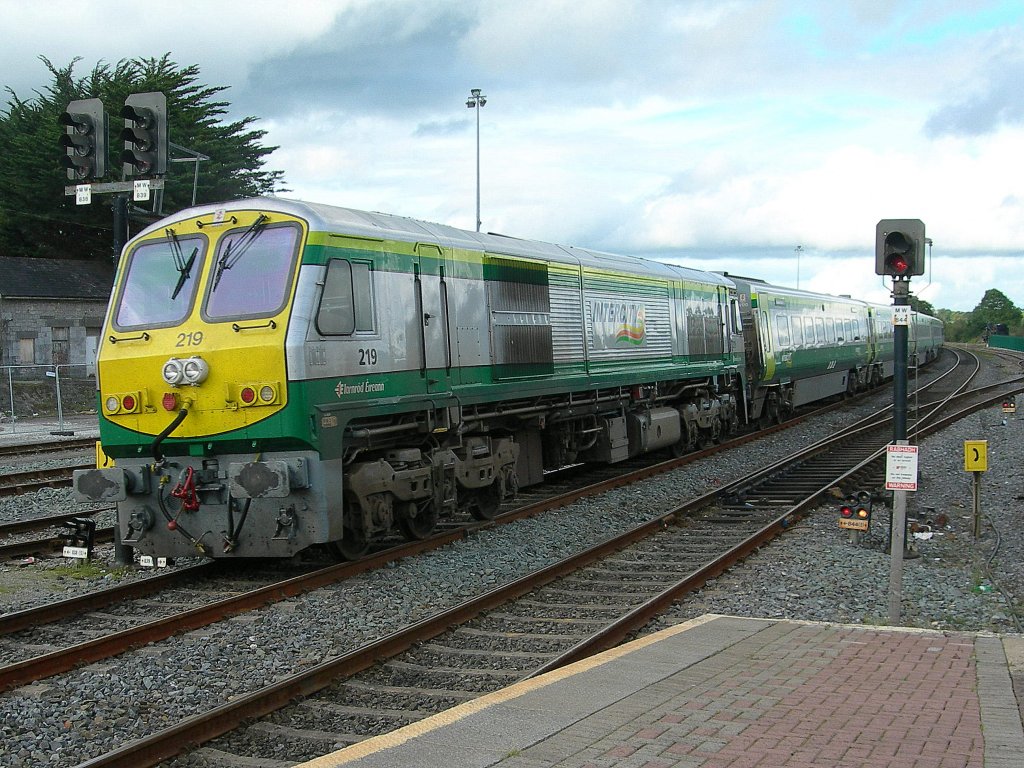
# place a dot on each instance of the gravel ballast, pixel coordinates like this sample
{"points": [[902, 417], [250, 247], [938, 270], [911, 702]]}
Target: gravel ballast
{"points": [[814, 572]]}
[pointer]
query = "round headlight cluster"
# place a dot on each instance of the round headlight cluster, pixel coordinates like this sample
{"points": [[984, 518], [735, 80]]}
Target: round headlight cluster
{"points": [[191, 371]]}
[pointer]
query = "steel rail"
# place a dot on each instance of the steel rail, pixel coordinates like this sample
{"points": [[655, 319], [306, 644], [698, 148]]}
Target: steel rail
{"points": [[198, 729], [631, 622]]}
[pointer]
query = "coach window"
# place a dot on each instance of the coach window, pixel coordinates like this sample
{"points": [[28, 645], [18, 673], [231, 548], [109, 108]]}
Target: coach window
{"points": [[782, 325], [346, 306], [809, 332], [819, 330], [798, 332], [830, 324]]}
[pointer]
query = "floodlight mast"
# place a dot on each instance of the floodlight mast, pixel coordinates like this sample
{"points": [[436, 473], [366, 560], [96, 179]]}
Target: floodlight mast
{"points": [[475, 101]]}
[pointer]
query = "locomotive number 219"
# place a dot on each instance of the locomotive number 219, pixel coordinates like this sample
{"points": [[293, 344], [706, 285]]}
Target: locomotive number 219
{"points": [[190, 339]]}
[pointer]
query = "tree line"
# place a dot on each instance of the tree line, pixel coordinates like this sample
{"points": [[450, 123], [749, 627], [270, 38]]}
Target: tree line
{"points": [[37, 219], [994, 309]]}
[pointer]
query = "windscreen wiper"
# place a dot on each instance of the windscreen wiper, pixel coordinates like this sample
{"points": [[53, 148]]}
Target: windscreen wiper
{"points": [[183, 266], [230, 257]]}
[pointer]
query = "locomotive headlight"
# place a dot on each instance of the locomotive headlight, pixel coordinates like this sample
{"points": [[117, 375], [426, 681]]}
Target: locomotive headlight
{"points": [[173, 372], [112, 404], [195, 370], [267, 393]]}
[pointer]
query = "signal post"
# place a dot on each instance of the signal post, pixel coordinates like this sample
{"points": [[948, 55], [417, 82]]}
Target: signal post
{"points": [[145, 154], [144, 157], [899, 254]]}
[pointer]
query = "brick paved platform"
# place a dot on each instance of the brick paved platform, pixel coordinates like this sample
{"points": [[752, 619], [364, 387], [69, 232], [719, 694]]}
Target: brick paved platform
{"points": [[727, 692]]}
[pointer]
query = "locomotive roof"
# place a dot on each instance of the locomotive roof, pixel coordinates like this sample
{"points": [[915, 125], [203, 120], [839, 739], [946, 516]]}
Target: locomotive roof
{"points": [[328, 218]]}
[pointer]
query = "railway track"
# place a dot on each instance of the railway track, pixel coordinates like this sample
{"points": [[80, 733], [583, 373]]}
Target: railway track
{"points": [[60, 446], [562, 489], [732, 503], [13, 483], [495, 642]]}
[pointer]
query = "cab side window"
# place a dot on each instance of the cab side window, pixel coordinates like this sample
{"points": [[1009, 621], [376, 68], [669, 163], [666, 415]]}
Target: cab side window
{"points": [[346, 305]]}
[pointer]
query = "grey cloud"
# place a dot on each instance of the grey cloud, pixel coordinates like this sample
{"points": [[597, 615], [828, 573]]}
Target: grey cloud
{"points": [[997, 101], [443, 127], [409, 58], [374, 59]]}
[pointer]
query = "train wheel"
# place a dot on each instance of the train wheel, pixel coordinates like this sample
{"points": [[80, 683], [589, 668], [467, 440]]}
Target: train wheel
{"points": [[486, 502], [688, 441], [353, 544], [772, 410], [416, 523]]}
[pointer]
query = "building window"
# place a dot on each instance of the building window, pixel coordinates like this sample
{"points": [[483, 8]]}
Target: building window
{"points": [[26, 351], [61, 345]]}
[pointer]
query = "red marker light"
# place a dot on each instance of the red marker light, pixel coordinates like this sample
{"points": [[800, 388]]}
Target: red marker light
{"points": [[898, 265], [170, 401], [248, 395], [128, 403]]}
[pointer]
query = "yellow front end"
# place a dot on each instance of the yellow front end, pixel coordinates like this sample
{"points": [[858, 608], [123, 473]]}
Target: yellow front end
{"points": [[198, 322]]}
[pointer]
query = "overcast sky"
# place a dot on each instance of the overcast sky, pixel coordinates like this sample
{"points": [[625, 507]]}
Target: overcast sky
{"points": [[719, 134]]}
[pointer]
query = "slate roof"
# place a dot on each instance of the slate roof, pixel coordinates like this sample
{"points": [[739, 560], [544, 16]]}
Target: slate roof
{"points": [[22, 278]]}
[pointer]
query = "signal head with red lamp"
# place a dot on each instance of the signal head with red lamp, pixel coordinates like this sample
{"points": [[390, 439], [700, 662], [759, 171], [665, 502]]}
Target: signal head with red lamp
{"points": [[855, 512], [899, 248]]}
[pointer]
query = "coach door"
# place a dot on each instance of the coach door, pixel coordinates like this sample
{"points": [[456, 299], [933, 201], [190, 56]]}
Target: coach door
{"points": [[432, 297], [764, 347]]}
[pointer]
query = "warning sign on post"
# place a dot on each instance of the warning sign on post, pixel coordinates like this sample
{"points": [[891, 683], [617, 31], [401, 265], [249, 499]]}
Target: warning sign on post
{"points": [[901, 468]]}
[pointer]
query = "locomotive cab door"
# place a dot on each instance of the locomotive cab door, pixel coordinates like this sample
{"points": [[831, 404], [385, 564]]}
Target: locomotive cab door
{"points": [[432, 300]]}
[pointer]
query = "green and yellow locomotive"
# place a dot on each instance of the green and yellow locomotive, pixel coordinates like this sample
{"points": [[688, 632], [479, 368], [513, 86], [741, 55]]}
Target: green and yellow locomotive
{"points": [[276, 375]]}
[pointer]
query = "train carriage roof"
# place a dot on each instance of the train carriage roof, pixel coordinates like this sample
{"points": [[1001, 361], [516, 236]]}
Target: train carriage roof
{"points": [[327, 218], [754, 285]]}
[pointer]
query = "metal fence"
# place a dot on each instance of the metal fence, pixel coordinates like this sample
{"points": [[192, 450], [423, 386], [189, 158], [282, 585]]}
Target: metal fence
{"points": [[58, 399]]}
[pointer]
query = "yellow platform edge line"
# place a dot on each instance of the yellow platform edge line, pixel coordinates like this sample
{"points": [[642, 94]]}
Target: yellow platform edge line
{"points": [[460, 711], [514, 691]]}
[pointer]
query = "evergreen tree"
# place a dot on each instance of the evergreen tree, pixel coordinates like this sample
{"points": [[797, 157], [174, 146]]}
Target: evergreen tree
{"points": [[920, 305], [37, 219], [993, 308]]}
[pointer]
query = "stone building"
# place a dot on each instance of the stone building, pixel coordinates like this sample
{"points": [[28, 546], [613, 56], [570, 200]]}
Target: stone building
{"points": [[51, 312]]}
